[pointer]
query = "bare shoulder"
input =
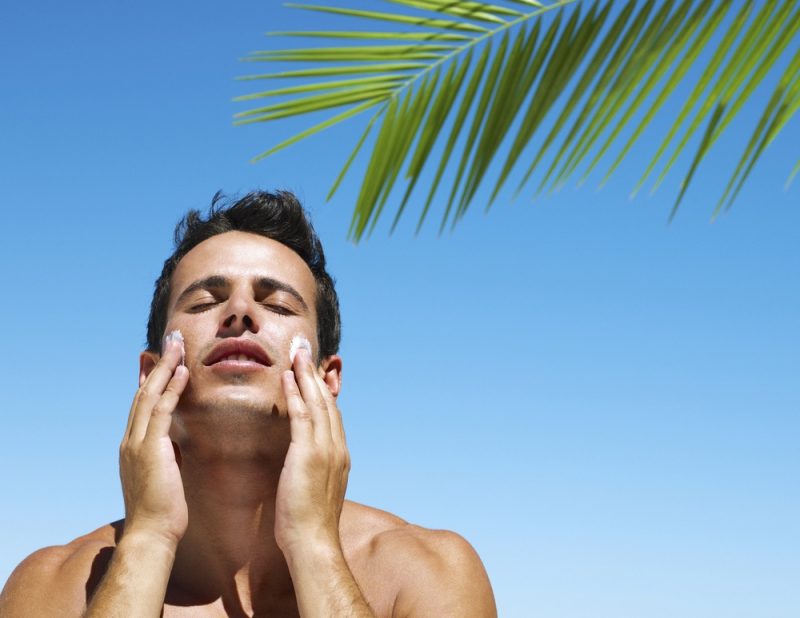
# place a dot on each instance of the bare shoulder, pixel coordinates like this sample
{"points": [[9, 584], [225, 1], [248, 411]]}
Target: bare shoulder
{"points": [[425, 572], [55, 581]]}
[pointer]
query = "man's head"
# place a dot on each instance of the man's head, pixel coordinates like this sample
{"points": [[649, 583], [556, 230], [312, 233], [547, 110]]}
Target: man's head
{"points": [[242, 283], [277, 216]]}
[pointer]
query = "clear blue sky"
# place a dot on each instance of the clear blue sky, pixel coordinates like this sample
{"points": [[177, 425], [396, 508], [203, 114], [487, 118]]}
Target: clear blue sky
{"points": [[606, 406]]}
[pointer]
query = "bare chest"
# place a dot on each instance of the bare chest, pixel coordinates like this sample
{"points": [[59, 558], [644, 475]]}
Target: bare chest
{"points": [[374, 585], [220, 609]]}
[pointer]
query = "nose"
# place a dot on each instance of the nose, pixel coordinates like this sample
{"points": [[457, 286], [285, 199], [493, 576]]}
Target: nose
{"points": [[239, 316]]}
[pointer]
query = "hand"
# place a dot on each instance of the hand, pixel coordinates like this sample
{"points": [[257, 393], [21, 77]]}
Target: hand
{"points": [[314, 477], [151, 479]]}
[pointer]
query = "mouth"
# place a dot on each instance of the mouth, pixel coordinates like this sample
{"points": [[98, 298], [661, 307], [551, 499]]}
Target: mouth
{"points": [[238, 354]]}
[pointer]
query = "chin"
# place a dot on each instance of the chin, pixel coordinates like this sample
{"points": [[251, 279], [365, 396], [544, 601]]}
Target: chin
{"points": [[232, 428], [235, 403], [235, 393]]}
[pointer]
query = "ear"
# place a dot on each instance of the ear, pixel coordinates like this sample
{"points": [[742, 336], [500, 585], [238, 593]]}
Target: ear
{"points": [[331, 372], [147, 362]]}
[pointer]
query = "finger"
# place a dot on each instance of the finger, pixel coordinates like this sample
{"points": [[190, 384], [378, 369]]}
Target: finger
{"points": [[309, 389], [300, 422], [334, 415], [151, 390], [161, 417], [132, 413], [159, 377]]}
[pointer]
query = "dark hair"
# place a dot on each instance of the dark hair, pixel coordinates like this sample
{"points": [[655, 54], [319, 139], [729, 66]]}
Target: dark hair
{"points": [[278, 216]]}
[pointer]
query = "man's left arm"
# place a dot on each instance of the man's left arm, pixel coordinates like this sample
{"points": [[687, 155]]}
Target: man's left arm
{"points": [[310, 497]]}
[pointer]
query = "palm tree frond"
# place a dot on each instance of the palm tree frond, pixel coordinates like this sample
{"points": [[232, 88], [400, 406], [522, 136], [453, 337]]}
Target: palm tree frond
{"points": [[458, 123], [319, 127], [552, 84], [467, 86], [409, 20], [725, 84], [385, 79], [470, 10], [668, 61], [436, 118], [783, 104], [625, 43], [712, 125], [519, 67], [355, 35], [313, 103], [479, 117], [399, 67], [694, 98]]}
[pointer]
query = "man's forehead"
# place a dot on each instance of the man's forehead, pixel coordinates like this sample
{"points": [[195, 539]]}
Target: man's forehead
{"points": [[237, 256]]}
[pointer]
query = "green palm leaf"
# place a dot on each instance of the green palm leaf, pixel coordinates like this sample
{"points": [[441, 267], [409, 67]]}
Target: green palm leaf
{"points": [[466, 87]]}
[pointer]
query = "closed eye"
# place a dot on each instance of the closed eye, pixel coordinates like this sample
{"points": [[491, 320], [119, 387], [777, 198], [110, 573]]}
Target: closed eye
{"points": [[202, 306], [279, 309]]}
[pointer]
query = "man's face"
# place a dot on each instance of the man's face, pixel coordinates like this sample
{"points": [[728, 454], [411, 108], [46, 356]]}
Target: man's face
{"points": [[239, 299]]}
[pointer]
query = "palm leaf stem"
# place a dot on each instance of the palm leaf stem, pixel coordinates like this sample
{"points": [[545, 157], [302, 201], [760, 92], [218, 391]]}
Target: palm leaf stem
{"points": [[392, 17], [357, 34], [506, 26]]}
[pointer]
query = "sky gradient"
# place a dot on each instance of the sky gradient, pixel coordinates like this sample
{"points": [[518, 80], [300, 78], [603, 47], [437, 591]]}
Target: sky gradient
{"points": [[606, 406]]}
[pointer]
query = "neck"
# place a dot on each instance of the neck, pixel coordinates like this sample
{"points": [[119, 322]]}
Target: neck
{"points": [[229, 548]]}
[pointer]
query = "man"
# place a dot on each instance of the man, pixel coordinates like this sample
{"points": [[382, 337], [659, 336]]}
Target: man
{"points": [[234, 463]]}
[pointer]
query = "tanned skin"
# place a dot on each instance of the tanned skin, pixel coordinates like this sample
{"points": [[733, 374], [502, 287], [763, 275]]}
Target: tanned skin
{"points": [[234, 472]]}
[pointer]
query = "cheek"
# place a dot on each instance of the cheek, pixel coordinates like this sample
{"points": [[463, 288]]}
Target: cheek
{"points": [[277, 337], [191, 334]]}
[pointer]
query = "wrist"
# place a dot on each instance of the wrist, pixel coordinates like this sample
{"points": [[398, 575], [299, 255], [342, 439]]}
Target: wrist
{"points": [[311, 548], [142, 538], [323, 582]]}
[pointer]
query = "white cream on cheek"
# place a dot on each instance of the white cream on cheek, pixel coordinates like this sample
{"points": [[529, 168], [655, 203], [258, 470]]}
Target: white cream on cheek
{"points": [[298, 341], [176, 335]]}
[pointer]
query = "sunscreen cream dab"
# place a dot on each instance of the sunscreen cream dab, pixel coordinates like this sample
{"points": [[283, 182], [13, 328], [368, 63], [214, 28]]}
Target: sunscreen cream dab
{"points": [[298, 341], [176, 335]]}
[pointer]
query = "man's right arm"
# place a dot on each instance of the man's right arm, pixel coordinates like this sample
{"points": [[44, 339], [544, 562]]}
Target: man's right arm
{"points": [[136, 580], [53, 581], [56, 581], [155, 507]]}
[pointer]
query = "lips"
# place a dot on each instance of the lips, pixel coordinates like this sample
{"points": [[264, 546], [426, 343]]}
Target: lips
{"points": [[237, 350]]}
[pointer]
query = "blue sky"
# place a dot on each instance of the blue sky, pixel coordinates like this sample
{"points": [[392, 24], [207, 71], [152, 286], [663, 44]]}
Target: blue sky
{"points": [[605, 405]]}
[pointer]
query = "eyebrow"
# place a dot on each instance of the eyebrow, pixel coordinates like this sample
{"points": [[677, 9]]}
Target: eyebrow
{"points": [[262, 283]]}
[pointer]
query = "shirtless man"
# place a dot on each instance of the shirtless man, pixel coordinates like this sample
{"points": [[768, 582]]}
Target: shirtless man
{"points": [[234, 463]]}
